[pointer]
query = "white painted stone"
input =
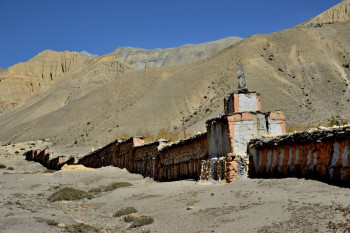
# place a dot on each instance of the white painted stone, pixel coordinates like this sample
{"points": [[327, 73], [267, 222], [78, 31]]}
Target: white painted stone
{"points": [[247, 103], [244, 131], [274, 158], [296, 157], [308, 157], [345, 156], [290, 156], [336, 153], [274, 127]]}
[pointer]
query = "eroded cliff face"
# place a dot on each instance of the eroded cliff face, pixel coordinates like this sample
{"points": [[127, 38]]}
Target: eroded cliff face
{"points": [[49, 65], [338, 13], [23, 80], [67, 70]]}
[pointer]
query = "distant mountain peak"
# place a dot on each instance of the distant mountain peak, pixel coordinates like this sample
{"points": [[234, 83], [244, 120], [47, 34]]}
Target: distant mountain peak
{"points": [[87, 54]]}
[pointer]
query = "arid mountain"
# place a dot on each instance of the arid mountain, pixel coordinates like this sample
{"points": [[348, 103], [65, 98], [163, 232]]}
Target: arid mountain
{"points": [[148, 58], [303, 71], [336, 14], [24, 80]]}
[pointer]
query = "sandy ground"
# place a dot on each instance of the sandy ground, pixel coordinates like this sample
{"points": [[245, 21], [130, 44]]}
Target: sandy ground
{"points": [[249, 205]]}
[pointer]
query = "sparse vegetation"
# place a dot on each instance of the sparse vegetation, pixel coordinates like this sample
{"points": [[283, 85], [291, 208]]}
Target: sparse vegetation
{"points": [[110, 187], [300, 127], [95, 191], [48, 221], [49, 171], [150, 137], [2, 166], [125, 211], [81, 227], [143, 220], [69, 194], [51, 222], [116, 185], [333, 121]]}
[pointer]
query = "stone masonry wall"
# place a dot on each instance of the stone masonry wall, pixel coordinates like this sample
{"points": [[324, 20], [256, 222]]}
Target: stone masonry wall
{"points": [[44, 157], [145, 159], [182, 160], [321, 154], [223, 169]]}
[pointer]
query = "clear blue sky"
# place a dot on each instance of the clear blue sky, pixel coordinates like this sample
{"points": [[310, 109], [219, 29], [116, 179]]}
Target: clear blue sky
{"points": [[28, 27]]}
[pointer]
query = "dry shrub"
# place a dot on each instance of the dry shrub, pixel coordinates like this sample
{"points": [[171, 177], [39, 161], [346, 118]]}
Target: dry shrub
{"points": [[116, 185], [95, 190], [143, 220], [125, 211], [2, 166], [299, 127], [162, 133], [69, 194], [81, 227]]}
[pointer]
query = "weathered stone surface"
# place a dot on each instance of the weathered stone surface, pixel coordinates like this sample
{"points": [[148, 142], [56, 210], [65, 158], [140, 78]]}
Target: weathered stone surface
{"points": [[321, 154]]}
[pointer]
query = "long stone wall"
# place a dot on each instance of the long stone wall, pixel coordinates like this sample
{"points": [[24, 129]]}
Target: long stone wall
{"points": [[146, 159], [47, 160], [182, 160], [321, 154]]}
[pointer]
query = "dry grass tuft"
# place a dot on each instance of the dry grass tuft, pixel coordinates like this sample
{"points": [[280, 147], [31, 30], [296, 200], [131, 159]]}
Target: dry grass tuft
{"points": [[116, 185], [81, 227], [143, 220], [69, 194], [125, 211]]}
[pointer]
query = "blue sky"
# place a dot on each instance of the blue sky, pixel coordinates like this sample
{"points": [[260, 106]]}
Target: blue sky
{"points": [[28, 27]]}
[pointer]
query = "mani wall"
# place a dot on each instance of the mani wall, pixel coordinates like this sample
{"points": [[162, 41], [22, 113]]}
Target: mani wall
{"points": [[218, 155], [320, 154], [158, 160], [44, 157]]}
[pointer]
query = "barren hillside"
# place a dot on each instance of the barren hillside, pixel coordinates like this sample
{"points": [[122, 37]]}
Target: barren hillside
{"points": [[148, 58], [24, 80]]}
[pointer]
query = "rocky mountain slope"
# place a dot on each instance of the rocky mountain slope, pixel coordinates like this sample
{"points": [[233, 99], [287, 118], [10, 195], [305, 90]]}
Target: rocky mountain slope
{"points": [[338, 13], [148, 58], [302, 71], [24, 80]]}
